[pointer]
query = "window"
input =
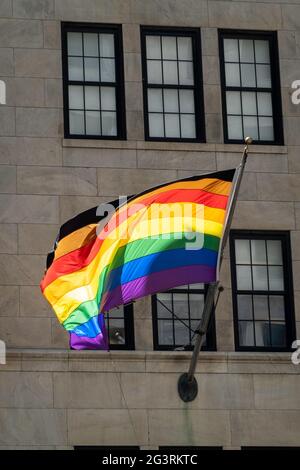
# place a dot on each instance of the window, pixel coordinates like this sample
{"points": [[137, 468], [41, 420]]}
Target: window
{"points": [[250, 87], [93, 81], [262, 290], [172, 78], [120, 327], [176, 314]]}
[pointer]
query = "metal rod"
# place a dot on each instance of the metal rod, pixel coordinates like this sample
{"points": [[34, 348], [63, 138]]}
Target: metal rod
{"points": [[210, 296]]}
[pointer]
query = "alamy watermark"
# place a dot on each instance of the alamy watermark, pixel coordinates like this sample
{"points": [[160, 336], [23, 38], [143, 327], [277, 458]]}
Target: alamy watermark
{"points": [[296, 354], [2, 352], [295, 97]]}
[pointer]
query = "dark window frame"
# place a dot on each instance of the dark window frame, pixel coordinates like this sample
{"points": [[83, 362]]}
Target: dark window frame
{"points": [[129, 330], [275, 90], [195, 34], [116, 30], [288, 292], [211, 331]]}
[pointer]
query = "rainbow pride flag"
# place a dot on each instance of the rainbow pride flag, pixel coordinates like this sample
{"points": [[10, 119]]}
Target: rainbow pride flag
{"points": [[165, 237]]}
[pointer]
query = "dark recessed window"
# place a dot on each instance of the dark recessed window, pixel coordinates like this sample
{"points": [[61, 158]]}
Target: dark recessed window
{"points": [[93, 81], [172, 78], [120, 327], [262, 290], [250, 87], [176, 315]]}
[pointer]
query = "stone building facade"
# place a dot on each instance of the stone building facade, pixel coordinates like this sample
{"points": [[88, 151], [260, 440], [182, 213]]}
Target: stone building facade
{"points": [[51, 397]]}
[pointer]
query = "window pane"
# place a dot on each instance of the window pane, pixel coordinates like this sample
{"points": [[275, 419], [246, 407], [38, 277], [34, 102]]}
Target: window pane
{"points": [[182, 334], [260, 279], [75, 97], [277, 310], [274, 252], [246, 333], [258, 252], [243, 274], [245, 307], [278, 334], [164, 305], [172, 125], [262, 334], [154, 71], [188, 128], [107, 45], [90, 44], [170, 72], [231, 50], [242, 251], [235, 130], [264, 101], [181, 305], [232, 74], [116, 331], [165, 332], [109, 123], [276, 278], [107, 70], [75, 44], [250, 127], [76, 119], [117, 312], [261, 307], [262, 53], [233, 102], [108, 98], [248, 75], [249, 103], [186, 73], [92, 119], [156, 125], [169, 47], [153, 50], [75, 69], [266, 128], [92, 97], [91, 69], [185, 48], [155, 100], [263, 73], [186, 101], [196, 305], [171, 101], [246, 50]]}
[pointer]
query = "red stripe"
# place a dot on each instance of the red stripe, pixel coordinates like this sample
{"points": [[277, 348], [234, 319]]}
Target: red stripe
{"points": [[78, 259]]}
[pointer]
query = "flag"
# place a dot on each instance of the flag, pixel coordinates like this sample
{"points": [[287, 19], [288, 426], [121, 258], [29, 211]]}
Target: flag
{"points": [[165, 237]]}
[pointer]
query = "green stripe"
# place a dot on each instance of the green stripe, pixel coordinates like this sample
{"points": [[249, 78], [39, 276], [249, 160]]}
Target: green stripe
{"points": [[127, 253]]}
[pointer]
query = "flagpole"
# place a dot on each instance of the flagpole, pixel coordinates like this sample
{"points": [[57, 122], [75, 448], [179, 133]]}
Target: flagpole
{"points": [[187, 383]]}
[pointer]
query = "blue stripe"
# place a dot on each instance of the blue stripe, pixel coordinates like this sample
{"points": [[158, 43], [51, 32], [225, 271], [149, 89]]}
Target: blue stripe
{"points": [[160, 261], [91, 328]]}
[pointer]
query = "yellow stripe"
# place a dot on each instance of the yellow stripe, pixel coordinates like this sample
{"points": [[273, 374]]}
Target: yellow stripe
{"points": [[65, 298]]}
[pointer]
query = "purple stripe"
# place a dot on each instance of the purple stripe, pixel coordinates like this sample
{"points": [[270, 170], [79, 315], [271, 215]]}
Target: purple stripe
{"points": [[97, 342], [157, 282]]}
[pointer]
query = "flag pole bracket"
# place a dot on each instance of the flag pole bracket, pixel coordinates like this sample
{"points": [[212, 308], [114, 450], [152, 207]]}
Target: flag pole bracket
{"points": [[187, 387]]}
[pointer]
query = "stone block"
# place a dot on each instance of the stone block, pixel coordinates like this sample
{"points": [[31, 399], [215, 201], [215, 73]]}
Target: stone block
{"points": [[52, 33], [33, 303], [127, 182], [7, 179], [106, 11], [296, 274], [29, 92], [134, 96], [182, 160], [21, 269], [257, 162], [6, 62], [56, 180], [73, 205], [278, 187], [30, 151], [53, 93], [6, 8], [32, 427], [209, 41], [264, 215], [8, 238], [273, 393], [26, 390], [28, 209], [41, 63], [33, 9], [21, 33], [38, 122], [26, 332], [87, 390], [132, 67], [131, 38], [36, 238], [225, 334], [7, 121], [294, 159], [189, 427], [287, 44], [212, 99], [214, 131], [135, 125], [91, 157], [289, 71], [295, 241], [9, 301], [60, 338], [291, 17], [143, 334], [104, 425], [292, 124]]}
